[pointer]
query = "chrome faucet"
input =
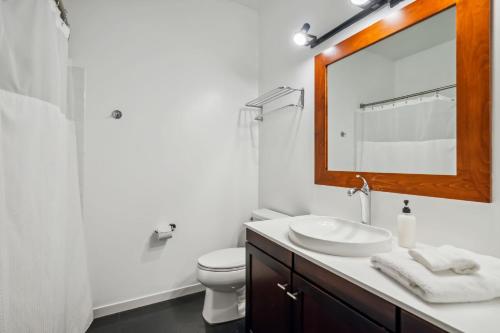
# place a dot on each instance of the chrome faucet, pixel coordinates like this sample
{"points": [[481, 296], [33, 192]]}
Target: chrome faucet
{"points": [[365, 197]]}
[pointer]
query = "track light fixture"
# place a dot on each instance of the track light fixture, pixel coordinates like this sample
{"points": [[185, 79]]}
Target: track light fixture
{"points": [[302, 37]]}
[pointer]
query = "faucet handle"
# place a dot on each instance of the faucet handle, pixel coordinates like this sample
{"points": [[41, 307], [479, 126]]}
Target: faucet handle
{"points": [[366, 187], [352, 191]]}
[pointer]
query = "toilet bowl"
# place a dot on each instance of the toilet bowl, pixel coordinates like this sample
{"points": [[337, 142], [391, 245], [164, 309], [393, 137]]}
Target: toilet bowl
{"points": [[222, 272]]}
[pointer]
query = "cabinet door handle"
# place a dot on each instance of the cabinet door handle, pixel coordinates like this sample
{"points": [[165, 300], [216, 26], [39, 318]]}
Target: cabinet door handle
{"points": [[282, 286], [293, 296]]}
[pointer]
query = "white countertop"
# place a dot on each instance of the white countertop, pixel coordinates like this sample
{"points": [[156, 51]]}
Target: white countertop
{"points": [[483, 317]]}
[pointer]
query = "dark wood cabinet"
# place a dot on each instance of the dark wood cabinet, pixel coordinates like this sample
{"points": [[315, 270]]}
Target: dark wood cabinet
{"points": [[267, 308], [413, 324], [288, 293], [317, 312], [372, 306]]}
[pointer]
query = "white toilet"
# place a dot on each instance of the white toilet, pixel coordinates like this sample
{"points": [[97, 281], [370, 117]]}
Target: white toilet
{"points": [[222, 272]]}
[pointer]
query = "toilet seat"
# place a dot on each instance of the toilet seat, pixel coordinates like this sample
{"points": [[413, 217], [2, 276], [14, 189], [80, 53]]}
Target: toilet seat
{"points": [[225, 260], [222, 270]]}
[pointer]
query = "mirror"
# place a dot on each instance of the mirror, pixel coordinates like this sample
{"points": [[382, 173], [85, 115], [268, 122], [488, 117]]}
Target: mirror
{"points": [[406, 103], [392, 105]]}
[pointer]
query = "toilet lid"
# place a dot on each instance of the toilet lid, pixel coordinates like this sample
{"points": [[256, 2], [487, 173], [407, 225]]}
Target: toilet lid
{"points": [[232, 258]]}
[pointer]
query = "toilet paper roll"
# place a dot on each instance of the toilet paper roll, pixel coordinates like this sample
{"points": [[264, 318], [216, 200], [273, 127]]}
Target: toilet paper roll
{"points": [[164, 232], [161, 235]]}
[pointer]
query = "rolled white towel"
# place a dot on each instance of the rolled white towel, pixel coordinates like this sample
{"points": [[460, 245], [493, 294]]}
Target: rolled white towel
{"points": [[445, 258], [444, 286]]}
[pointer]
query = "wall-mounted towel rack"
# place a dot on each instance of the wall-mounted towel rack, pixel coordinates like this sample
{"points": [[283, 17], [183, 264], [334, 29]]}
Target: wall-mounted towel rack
{"points": [[273, 95]]}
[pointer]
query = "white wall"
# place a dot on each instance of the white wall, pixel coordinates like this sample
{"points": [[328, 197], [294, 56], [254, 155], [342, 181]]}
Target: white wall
{"points": [[287, 141], [183, 152]]}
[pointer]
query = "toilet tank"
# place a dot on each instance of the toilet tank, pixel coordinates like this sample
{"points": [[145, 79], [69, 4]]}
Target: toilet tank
{"points": [[260, 215], [267, 214]]}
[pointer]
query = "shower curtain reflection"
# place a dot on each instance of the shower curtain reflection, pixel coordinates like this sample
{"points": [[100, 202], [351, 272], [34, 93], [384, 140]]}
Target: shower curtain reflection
{"points": [[417, 136]]}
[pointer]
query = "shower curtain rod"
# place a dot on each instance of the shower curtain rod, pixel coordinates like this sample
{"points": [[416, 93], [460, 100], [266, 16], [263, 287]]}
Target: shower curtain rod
{"points": [[64, 12], [425, 92]]}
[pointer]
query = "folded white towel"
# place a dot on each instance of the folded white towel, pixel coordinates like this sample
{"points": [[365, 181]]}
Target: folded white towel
{"points": [[445, 258], [444, 286]]}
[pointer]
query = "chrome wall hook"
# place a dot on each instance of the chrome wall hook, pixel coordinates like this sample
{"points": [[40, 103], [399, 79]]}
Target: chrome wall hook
{"points": [[116, 114]]}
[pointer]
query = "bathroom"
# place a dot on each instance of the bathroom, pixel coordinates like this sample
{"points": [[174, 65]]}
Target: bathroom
{"points": [[168, 157]]}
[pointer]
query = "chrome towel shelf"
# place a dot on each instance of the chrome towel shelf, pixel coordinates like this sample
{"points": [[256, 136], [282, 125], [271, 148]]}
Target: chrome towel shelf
{"points": [[273, 95]]}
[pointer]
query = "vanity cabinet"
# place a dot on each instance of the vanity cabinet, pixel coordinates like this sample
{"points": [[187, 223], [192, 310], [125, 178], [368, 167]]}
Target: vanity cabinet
{"points": [[288, 293], [269, 308], [413, 324], [315, 311]]}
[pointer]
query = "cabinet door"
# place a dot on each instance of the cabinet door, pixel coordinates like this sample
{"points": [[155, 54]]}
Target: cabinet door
{"points": [[316, 311], [267, 307], [413, 324]]}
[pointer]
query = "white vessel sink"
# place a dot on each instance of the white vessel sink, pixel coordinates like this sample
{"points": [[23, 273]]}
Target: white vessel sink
{"points": [[339, 237]]}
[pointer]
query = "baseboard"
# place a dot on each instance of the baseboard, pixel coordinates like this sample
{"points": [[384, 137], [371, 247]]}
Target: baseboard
{"points": [[130, 304]]}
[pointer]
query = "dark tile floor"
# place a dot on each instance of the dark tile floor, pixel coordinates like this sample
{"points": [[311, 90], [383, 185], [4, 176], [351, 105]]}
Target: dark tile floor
{"points": [[181, 315]]}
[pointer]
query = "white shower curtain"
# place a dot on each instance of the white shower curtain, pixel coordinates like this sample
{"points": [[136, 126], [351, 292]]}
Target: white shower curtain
{"points": [[44, 284]]}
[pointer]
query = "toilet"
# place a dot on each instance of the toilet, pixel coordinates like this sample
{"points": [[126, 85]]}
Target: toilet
{"points": [[222, 272]]}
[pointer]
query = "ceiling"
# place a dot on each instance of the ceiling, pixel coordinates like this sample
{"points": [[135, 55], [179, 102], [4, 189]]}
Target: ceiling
{"points": [[254, 4], [432, 32]]}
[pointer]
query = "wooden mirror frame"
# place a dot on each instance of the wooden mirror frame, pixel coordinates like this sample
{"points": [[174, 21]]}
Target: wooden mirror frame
{"points": [[473, 34]]}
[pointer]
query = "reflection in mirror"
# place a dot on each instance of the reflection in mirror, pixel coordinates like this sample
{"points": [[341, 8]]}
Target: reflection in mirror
{"points": [[392, 106]]}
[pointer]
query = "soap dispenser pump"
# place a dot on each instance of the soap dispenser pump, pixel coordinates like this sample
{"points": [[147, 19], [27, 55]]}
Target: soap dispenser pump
{"points": [[407, 224]]}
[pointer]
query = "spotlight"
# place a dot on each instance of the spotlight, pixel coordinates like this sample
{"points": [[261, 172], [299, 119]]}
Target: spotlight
{"points": [[302, 37]]}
